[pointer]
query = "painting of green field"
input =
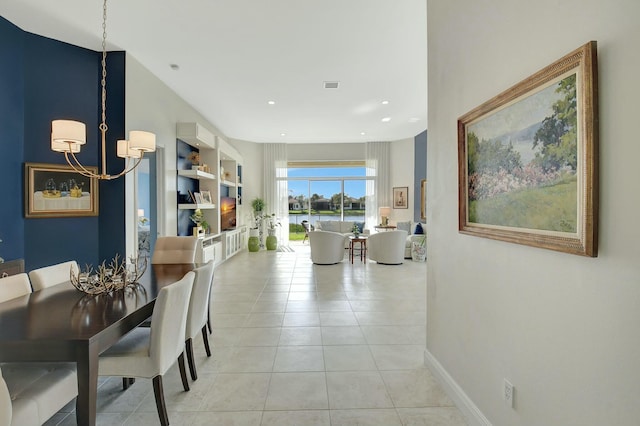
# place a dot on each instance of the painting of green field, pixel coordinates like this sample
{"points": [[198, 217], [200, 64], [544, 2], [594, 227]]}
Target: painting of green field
{"points": [[551, 208]]}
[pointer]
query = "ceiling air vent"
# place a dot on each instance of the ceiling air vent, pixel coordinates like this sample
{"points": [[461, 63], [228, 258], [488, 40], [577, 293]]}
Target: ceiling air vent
{"points": [[331, 84]]}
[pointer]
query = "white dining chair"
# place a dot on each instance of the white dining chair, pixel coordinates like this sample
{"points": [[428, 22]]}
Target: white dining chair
{"points": [[52, 275], [14, 286], [197, 315], [5, 403], [174, 250], [150, 352]]}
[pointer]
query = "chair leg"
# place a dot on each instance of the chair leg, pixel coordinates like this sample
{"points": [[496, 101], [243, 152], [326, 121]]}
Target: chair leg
{"points": [[183, 372], [209, 321], [126, 382], [192, 365], [205, 339], [158, 391]]}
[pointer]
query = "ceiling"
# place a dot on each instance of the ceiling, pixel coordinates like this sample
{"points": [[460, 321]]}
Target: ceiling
{"points": [[236, 55]]}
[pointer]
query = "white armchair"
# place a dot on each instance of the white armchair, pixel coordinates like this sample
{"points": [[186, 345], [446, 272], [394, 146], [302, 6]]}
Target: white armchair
{"points": [[387, 247], [327, 248]]}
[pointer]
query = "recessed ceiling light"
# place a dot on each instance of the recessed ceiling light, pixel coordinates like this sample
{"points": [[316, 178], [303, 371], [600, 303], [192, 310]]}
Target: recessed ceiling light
{"points": [[414, 120], [271, 102], [385, 102], [175, 67], [283, 134], [386, 119], [331, 84], [362, 133]]}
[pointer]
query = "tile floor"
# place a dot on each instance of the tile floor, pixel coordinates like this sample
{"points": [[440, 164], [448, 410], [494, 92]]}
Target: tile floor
{"points": [[300, 344]]}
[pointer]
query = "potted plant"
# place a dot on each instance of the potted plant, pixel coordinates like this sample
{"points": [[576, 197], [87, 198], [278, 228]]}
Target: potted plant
{"points": [[198, 218], [257, 205], [272, 240]]}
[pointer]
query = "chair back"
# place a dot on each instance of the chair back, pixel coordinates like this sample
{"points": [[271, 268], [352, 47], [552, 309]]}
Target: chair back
{"points": [[14, 286], [199, 302], [52, 275], [387, 247], [6, 409], [168, 322], [326, 247], [175, 250]]}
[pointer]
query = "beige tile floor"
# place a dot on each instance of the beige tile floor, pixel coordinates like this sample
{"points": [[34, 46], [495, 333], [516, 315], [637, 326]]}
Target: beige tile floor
{"points": [[300, 344]]}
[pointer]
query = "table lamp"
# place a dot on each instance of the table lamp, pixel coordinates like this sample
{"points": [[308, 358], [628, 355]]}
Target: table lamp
{"points": [[385, 212]]}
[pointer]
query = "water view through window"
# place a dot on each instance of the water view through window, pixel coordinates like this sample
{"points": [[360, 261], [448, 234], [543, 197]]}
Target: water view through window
{"points": [[325, 193]]}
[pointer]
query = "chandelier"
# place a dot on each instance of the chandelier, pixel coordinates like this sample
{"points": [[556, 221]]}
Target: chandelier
{"points": [[68, 136]]}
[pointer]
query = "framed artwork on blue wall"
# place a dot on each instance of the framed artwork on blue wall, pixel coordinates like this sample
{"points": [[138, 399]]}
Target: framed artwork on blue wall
{"points": [[57, 190]]}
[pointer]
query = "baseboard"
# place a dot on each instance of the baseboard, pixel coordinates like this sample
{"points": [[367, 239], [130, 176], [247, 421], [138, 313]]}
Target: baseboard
{"points": [[455, 392]]}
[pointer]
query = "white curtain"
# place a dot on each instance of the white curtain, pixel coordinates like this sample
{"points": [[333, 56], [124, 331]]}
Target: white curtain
{"points": [[275, 188], [378, 191]]}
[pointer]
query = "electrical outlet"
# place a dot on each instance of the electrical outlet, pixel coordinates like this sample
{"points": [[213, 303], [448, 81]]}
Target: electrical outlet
{"points": [[507, 393]]}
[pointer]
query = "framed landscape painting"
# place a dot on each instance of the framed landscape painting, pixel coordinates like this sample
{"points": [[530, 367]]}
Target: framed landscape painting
{"points": [[528, 160]]}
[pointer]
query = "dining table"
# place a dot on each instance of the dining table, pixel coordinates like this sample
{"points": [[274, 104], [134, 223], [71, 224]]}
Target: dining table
{"points": [[63, 324]]}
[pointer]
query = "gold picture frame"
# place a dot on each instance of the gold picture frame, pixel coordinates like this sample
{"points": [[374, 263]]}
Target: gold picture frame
{"points": [[56, 190], [528, 160]]}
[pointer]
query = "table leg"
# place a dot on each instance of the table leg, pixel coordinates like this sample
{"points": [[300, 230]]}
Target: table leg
{"points": [[351, 251], [87, 369]]}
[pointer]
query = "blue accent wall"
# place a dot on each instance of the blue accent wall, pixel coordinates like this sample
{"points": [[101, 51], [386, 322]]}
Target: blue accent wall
{"points": [[420, 170], [43, 80], [112, 193], [11, 140]]}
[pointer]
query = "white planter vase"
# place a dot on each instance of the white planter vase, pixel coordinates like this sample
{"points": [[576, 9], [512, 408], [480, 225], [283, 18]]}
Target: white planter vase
{"points": [[418, 252]]}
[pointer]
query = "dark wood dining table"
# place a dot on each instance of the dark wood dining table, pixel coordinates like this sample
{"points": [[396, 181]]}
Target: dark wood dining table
{"points": [[60, 323]]}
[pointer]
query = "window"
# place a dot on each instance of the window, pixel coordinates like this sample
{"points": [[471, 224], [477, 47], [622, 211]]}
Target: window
{"points": [[326, 191]]}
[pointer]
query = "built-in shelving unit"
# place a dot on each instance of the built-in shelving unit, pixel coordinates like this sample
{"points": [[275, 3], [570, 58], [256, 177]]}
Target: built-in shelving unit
{"points": [[196, 174], [196, 206], [223, 180]]}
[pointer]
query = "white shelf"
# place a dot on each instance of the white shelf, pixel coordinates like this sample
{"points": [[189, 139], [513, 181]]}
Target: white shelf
{"points": [[196, 174], [196, 206], [227, 183]]}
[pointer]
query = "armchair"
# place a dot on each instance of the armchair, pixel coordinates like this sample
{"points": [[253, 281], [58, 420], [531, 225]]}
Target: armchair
{"points": [[387, 247], [327, 248]]}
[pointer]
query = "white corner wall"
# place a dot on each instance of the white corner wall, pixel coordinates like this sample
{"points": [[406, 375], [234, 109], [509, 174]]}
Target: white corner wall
{"points": [[151, 105], [563, 329]]}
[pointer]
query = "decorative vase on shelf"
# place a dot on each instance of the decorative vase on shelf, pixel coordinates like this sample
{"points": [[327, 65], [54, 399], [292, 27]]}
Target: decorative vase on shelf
{"points": [[272, 240], [198, 231]]}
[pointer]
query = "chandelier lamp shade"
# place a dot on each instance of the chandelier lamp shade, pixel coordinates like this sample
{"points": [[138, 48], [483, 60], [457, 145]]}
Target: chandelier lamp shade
{"points": [[68, 136]]}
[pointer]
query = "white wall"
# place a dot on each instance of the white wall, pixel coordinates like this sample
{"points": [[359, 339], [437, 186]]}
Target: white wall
{"points": [[402, 165], [152, 106], [563, 329]]}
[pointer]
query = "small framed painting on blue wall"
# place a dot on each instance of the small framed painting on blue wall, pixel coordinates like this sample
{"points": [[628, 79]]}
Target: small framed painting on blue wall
{"points": [[56, 190]]}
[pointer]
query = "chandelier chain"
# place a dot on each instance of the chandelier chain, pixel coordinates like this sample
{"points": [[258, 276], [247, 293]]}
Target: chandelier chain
{"points": [[103, 82], [145, 141]]}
